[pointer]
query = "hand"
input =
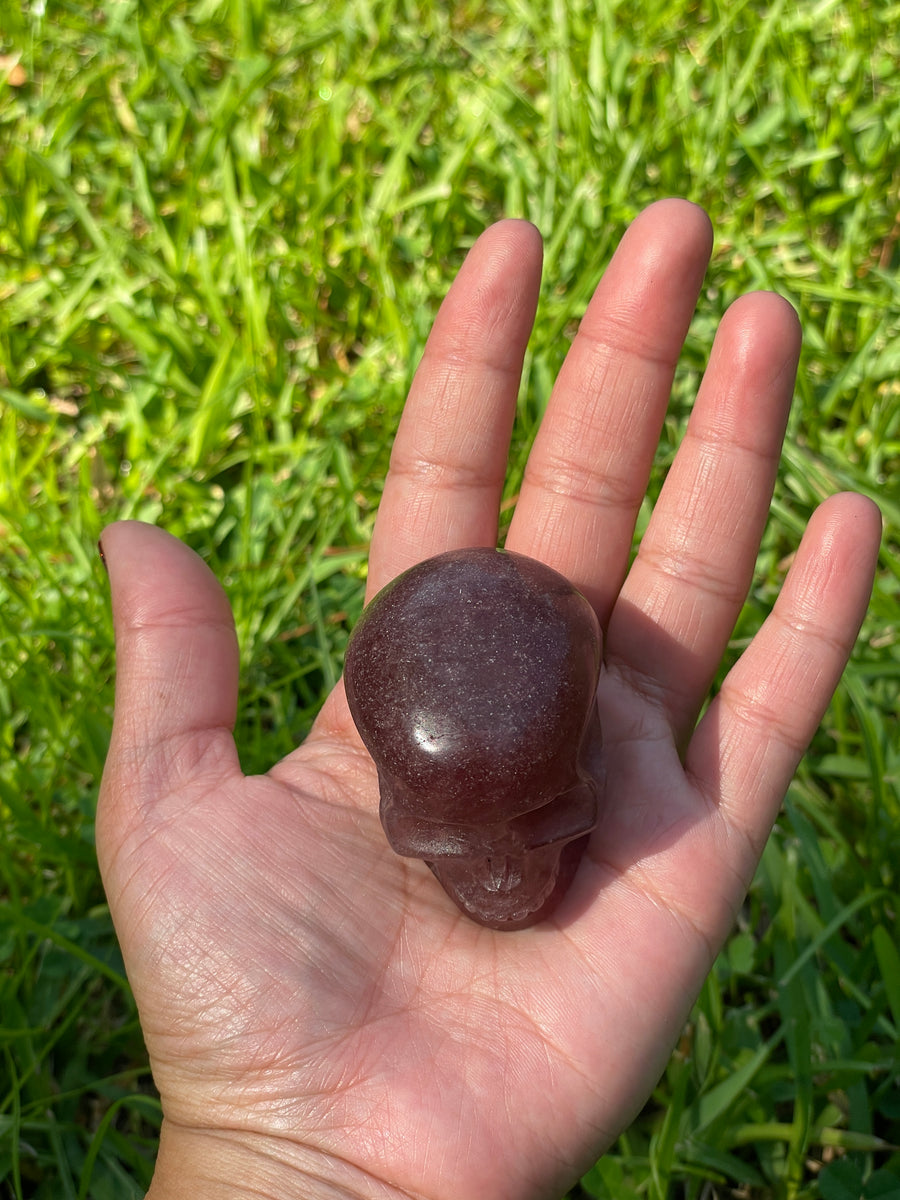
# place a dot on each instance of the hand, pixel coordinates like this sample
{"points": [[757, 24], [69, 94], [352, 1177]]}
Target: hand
{"points": [[320, 1019]]}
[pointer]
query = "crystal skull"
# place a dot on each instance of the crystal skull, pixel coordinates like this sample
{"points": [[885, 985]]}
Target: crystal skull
{"points": [[472, 679]]}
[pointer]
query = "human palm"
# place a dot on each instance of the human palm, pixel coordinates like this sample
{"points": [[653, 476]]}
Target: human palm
{"points": [[320, 1018]]}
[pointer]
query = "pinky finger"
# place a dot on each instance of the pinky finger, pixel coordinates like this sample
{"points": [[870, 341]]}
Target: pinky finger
{"points": [[746, 748]]}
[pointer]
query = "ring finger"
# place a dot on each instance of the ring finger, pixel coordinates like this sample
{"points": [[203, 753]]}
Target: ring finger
{"points": [[678, 606]]}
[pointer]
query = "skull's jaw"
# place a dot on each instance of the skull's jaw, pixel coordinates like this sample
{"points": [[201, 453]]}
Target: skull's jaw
{"points": [[510, 892]]}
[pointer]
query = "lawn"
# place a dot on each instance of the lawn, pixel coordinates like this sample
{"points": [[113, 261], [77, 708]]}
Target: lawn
{"points": [[225, 227]]}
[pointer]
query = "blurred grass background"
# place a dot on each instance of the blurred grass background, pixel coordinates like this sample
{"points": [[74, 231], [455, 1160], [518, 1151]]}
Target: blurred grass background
{"points": [[225, 227]]}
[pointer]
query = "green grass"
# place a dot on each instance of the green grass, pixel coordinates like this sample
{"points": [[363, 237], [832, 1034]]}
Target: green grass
{"points": [[224, 229]]}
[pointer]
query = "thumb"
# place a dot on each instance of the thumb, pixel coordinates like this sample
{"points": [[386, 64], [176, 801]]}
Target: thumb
{"points": [[176, 674]]}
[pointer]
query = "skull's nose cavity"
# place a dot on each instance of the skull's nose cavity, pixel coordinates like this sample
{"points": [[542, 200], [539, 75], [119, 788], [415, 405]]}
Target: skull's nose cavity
{"points": [[503, 873]]}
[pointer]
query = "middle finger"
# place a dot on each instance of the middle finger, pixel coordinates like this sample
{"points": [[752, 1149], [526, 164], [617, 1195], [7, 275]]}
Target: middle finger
{"points": [[588, 469]]}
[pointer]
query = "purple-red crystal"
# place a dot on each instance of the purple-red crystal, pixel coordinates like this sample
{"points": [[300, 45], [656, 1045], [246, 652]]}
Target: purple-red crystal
{"points": [[471, 678]]}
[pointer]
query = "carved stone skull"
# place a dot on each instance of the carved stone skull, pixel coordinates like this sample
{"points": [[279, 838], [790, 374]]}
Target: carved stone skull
{"points": [[472, 679]]}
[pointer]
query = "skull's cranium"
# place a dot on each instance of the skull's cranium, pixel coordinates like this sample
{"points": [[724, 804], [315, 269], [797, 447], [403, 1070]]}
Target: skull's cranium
{"points": [[472, 679]]}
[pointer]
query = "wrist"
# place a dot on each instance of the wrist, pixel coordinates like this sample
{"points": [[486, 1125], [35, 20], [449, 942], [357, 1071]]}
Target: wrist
{"points": [[209, 1164]]}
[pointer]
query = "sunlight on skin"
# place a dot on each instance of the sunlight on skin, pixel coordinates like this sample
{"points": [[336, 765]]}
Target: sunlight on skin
{"points": [[320, 1019]]}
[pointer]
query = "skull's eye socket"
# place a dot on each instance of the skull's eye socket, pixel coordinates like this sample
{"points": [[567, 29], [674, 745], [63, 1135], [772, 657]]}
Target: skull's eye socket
{"points": [[562, 819]]}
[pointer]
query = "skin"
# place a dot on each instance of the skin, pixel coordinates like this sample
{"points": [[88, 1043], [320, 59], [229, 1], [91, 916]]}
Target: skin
{"points": [[320, 1019]]}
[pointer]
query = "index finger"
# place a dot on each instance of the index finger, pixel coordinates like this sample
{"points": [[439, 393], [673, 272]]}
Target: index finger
{"points": [[449, 457]]}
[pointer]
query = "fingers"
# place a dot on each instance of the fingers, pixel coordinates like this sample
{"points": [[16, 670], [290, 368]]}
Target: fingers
{"points": [[750, 740], [588, 468], [685, 589], [176, 665], [449, 457]]}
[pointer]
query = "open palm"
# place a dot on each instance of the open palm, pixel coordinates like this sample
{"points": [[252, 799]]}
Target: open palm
{"points": [[320, 1018]]}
